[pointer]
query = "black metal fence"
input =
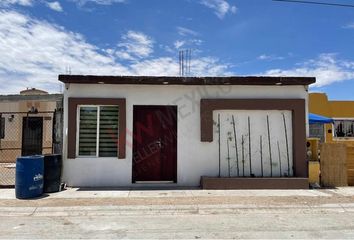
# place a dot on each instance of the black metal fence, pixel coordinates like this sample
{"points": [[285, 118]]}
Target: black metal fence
{"points": [[23, 134]]}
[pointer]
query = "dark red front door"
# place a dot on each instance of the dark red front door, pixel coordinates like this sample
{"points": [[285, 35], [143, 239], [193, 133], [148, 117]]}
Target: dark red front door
{"points": [[155, 143]]}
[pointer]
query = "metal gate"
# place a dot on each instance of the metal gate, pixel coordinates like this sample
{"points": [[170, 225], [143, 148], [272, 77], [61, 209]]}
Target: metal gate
{"points": [[21, 134]]}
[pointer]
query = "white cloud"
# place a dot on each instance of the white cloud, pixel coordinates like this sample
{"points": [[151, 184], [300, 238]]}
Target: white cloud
{"points": [[220, 7], [167, 66], [100, 2], [34, 52], [326, 68], [164, 66], [52, 5], [166, 48], [186, 31], [187, 43], [19, 2], [55, 6], [209, 66], [196, 41], [266, 57], [349, 25], [135, 45], [187, 38], [178, 44]]}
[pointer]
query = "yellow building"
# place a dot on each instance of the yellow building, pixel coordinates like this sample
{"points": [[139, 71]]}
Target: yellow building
{"points": [[342, 130], [342, 112]]}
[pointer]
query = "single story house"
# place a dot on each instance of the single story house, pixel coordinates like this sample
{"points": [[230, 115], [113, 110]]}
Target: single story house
{"points": [[342, 112], [133, 131], [30, 123], [26, 123], [342, 128]]}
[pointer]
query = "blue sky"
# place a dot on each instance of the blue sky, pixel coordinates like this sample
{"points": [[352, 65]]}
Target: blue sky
{"points": [[40, 39]]}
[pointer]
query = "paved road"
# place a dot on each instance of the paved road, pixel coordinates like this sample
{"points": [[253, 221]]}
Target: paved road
{"points": [[180, 214], [186, 222]]}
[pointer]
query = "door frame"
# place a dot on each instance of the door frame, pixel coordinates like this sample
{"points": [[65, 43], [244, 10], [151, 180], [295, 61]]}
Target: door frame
{"points": [[173, 108], [24, 119]]}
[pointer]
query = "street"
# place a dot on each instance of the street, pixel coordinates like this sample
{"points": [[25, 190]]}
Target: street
{"points": [[183, 214]]}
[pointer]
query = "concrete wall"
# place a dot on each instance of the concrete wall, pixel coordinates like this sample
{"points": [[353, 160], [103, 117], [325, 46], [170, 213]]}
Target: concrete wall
{"points": [[195, 158]]}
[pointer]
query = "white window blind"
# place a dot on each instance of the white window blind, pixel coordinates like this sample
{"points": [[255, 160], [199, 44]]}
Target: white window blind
{"points": [[108, 133], [98, 131], [88, 131]]}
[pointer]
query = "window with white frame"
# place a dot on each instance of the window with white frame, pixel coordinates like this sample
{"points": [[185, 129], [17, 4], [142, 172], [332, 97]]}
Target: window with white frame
{"points": [[343, 128], [97, 131]]}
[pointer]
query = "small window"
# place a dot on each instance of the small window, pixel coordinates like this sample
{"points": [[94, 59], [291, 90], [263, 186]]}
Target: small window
{"points": [[317, 131], [2, 127], [98, 131], [343, 128]]}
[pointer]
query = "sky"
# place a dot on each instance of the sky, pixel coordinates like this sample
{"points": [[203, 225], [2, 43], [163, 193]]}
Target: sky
{"points": [[40, 39]]}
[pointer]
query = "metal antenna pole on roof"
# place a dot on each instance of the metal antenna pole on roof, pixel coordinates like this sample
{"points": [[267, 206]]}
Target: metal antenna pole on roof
{"points": [[189, 62], [180, 62], [186, 64], [68, 70], [185, 59]]}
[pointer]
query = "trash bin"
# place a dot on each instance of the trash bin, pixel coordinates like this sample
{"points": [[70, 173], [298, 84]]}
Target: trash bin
{"points": [[52, 172], [29, 177]]}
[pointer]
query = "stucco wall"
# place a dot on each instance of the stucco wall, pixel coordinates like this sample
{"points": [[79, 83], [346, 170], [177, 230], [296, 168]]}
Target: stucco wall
{"points": [[11, 144], [319, 104], [194, 158]]}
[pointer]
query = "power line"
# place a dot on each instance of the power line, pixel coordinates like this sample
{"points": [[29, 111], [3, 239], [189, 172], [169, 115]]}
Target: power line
{"points": [[317, 3]]}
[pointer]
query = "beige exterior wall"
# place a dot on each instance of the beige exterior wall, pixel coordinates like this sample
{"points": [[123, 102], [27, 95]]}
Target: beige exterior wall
{"points": [[13, 126]]}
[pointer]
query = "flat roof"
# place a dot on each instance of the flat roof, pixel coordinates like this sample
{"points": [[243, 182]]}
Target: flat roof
{"points": [[19, 97], [168, 80]]}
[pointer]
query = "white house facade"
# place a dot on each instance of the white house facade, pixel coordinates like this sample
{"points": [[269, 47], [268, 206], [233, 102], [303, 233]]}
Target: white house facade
{"points": [[171, 131]]}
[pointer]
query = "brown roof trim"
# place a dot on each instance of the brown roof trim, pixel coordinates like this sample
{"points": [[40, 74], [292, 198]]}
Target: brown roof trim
{"points": [[164, 80]]}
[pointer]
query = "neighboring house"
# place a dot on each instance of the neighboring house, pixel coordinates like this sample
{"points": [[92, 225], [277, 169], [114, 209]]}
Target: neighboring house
{"points": [[342, 112], [30, 123], [170, 131], [342, 129], [27, 123]]}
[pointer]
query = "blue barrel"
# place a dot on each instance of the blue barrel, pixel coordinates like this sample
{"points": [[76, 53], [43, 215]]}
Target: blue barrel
{"points": [[29, 177]]}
